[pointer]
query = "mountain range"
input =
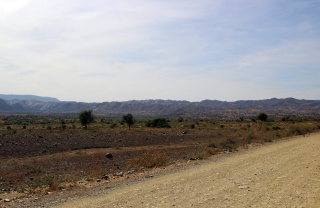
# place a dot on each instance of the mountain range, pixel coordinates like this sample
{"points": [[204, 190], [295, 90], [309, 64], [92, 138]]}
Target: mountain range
{"points": [[170, 108]]}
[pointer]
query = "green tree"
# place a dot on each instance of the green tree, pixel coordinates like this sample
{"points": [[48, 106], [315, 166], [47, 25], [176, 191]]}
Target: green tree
{"points": [[262, 117], [86, 117], [129, 119]]}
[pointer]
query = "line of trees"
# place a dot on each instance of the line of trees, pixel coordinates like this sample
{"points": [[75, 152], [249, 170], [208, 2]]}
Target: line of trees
{"points": [[86, 117]]}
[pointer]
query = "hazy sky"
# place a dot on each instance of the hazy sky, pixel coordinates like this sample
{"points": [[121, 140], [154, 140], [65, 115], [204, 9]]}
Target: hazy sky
{"points": [[118, 50]]}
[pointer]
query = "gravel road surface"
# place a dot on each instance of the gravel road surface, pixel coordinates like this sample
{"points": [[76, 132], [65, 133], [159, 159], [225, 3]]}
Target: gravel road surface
{"points": [[282, 174]]}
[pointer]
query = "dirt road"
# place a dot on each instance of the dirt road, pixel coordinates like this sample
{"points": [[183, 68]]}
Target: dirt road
{"points": [[282, 174]]}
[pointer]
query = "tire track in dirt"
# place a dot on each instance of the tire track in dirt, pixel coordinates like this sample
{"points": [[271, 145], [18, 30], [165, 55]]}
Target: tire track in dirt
{"points": [[283, 174]]}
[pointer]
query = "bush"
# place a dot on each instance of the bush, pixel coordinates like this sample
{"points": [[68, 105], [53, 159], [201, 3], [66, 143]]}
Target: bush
{"points": [[114, 125], [276, 128], [212, 145], [199, 155], [180, 119], [158, 123], [262, 117], [268, 140], [45, 181], [301, 129], [229, 145], [251, 137]]}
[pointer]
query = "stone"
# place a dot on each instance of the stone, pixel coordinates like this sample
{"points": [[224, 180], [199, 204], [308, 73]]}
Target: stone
{"points": [[7, 200], [120, 174], [131, 172], [109, 156]]}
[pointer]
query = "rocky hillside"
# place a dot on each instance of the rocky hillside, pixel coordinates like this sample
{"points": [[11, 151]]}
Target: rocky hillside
{"points": [[146, 108], [14, 107]]}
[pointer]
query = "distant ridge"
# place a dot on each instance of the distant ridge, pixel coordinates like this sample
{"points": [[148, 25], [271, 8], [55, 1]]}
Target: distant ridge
{"points": [[171, 108], [28, 97]]}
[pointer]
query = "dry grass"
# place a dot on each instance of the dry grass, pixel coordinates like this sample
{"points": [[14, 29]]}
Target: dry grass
{"points": [[148, 160]]}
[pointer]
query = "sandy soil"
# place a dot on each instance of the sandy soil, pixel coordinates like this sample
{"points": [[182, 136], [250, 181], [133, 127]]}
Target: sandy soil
{"points": [[282, 174]]}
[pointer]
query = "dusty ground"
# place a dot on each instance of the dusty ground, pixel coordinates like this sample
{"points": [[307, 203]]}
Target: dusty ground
{"points": [[282, 174]]}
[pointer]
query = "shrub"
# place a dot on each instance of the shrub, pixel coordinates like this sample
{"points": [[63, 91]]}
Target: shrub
{"points": [[251, 137], [158, 123], [301, 129], [262, 117], [45, 181], [114, 125], [213, 151], [229, 145], [180, 119], [276, 128], [268, 140], [63, 126], [213, 145], [199, 155]]}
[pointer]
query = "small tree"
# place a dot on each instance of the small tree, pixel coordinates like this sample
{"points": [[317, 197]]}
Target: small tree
{"points": [[86, 117], [129, 119], [262, 117]]}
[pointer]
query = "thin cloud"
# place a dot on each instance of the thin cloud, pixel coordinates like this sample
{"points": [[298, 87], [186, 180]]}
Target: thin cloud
{"points": [[121, 50]]}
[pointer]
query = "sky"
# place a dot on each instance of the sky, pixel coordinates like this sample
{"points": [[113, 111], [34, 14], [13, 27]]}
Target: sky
{"points": [[120, 50]]}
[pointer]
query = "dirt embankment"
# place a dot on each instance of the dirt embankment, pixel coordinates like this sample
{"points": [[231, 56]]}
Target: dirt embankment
{"points": [[283, 174]]}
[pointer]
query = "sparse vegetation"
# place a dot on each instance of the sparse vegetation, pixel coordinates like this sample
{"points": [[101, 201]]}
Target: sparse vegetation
{"points": [[69, 154]]}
